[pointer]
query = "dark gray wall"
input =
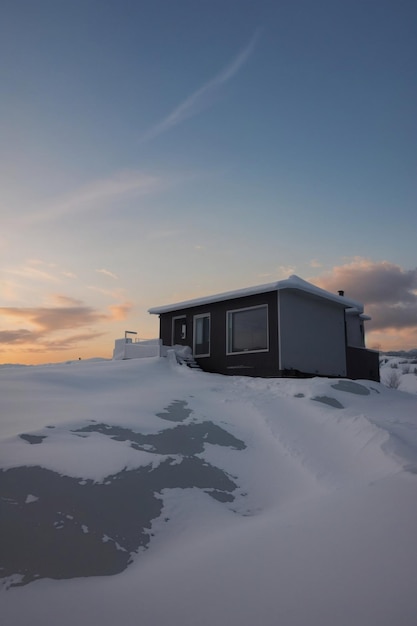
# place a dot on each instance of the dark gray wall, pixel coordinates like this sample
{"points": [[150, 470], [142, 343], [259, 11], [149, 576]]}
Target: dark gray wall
{"points": [[250, 364], [362, 363]]}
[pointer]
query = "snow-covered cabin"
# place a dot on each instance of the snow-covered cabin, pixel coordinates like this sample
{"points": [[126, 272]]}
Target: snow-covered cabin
{"points": [[285, 328]]}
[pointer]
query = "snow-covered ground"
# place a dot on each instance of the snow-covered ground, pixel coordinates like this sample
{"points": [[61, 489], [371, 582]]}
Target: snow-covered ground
{"points": [[145, 493], [399, 372]]}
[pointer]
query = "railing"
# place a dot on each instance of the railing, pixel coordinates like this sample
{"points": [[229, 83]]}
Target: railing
{"points": [[139, 340], [139, 349]]}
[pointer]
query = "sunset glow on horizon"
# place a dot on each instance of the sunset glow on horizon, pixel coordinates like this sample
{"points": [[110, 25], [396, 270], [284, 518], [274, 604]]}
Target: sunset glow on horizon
{"points": [[155, 152]]}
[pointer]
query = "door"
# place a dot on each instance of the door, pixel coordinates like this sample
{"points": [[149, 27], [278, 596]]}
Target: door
{"points": [[202, 335], [179, 331]]}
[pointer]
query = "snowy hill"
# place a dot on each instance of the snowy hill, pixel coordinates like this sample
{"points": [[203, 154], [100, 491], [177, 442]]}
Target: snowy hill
{"points": [[142, 492]]}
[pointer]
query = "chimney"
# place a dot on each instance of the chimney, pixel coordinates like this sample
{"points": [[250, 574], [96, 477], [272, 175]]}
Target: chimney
{"points": [[341, 292]]}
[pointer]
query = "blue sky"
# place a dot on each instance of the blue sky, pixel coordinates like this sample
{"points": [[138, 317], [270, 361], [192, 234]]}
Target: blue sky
{"points": [[154, 151]]}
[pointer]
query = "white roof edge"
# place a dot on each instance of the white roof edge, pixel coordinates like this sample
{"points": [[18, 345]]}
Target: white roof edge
{"points": [[293, 282]]}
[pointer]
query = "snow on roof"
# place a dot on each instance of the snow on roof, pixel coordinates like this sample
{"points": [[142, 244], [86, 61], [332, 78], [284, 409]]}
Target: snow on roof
{"points": [[358, 312], [293, 282]]}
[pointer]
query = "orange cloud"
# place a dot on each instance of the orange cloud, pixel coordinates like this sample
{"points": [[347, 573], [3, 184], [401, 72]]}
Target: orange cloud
{"points": [[371, 282], [389, 293], [66, 343], [49, 319], [19, 336], [392, 339], [46, 329], [120, 311]]}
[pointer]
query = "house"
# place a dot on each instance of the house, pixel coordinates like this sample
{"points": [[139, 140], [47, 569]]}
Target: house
{"points": [[285, 328]]}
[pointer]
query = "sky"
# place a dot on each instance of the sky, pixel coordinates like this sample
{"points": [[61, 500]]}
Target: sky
{"points": [[155, 151]]}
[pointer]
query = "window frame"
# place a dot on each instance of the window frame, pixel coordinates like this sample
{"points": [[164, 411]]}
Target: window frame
{"points": [[195, 319], [229, 328]]}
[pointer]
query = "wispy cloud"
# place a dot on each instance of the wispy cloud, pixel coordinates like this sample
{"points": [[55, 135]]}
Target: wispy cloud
{"points": [[283, 271], [33, 273], [203, 96], [60, 300], [117, 293], [96, 195], [280, 272], [165, 233], [30, 276], [107, 273]]}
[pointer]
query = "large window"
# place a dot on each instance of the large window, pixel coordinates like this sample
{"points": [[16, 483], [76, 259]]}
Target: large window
{"points": [[202, 335], [247, 330]]}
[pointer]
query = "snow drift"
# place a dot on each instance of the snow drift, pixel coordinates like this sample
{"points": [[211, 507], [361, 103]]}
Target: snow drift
{"points": [[141, 492]]}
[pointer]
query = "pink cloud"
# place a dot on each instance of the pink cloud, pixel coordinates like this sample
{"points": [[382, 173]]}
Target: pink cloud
{"points": [[389, 293]]}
